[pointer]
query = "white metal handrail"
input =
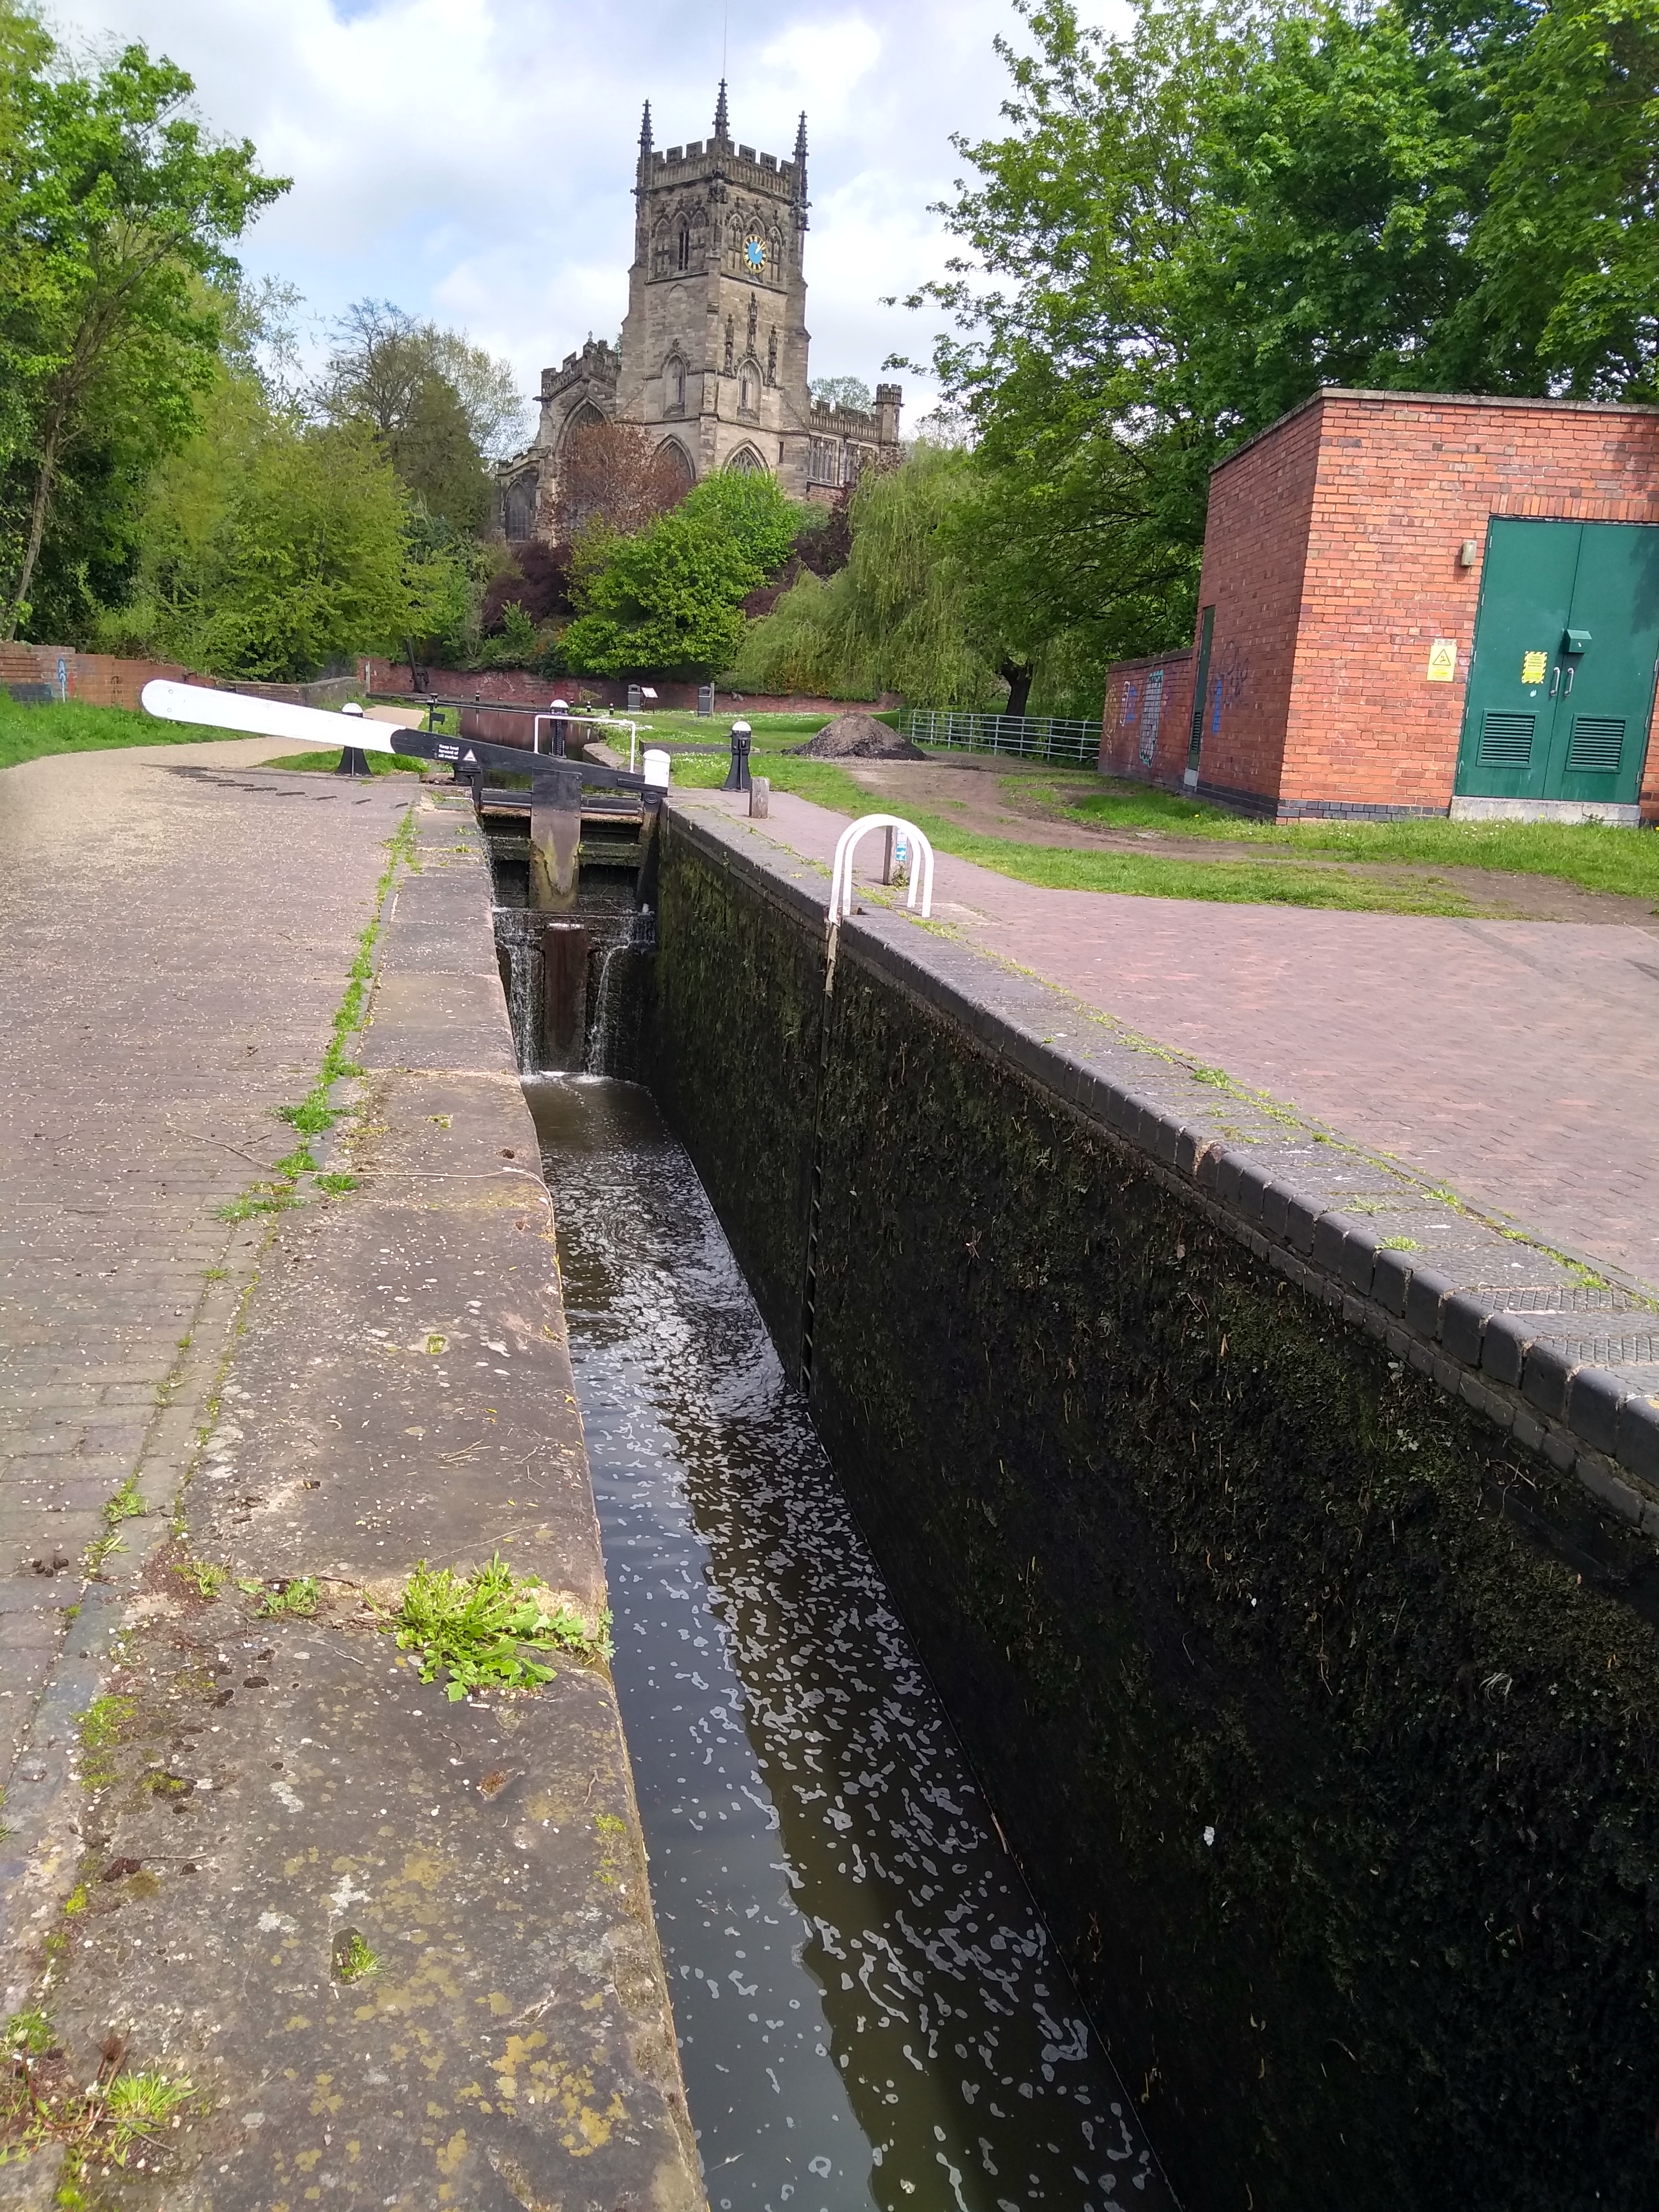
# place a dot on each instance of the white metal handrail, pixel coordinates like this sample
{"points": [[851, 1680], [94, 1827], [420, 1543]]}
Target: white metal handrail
{"points": [[594, 721], [841, 880]]}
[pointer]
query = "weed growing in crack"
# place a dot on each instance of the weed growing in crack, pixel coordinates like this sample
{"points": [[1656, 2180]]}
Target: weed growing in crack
{"points": [[314, 1115], [206, 1580], [99, 1553], [488, 1630], [125, 1506], [42, 2105], [98, 1731], [352, 1959], [296, 1599]]}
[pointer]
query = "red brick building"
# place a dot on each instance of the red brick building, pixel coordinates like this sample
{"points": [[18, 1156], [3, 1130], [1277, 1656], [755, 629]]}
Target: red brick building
{"points": [[1416, 604]]}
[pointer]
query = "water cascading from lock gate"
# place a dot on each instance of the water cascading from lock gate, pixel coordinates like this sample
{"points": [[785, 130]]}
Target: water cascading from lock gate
{"points": [[870, 2009]]}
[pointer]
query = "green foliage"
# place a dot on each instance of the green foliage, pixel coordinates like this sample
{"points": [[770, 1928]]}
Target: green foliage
{"points": [[139, 2106], [115, 214], [842, 391], [274, 547], [669, 599], [487, 1630], [904, 614], [437, 403], [27, 2032]]}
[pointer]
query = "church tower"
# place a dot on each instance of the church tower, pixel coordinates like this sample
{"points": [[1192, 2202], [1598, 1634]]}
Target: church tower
{"points": [[713, 351]]}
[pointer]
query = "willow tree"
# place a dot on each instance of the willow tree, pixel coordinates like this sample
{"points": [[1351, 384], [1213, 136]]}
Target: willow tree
{"points": [[903, 615]]}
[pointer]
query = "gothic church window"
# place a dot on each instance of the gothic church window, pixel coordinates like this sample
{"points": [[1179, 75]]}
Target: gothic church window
{"points": [[685, 246], [519, 506], [746, 462], [746, 390]]}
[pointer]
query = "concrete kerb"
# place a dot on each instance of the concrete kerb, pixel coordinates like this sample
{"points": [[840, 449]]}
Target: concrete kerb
{"points": [[1441, 1299]]}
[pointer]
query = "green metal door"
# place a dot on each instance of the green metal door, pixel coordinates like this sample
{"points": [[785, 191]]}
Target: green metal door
{"points": [[1508, 717], [1561, 680], [1605, 693]]}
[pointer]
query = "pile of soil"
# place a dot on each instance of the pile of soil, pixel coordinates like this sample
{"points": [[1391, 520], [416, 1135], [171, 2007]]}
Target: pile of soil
{"points": [[860, 737]]}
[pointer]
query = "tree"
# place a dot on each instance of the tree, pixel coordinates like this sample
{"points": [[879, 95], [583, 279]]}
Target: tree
{"points": [[904, 614], [613, 477], [842, 391], [671, 599], [118, 211], [273, 547], [439, 404]]}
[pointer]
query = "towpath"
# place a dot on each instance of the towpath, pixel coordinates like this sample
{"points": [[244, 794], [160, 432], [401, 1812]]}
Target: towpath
{"points": [[1516, 1062], [168, 988]]}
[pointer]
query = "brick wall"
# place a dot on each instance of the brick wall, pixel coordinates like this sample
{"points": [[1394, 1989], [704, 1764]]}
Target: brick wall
{"points": [[1148, 703], [1402, 482], [521, 687], [1254, 548], [1331, 558], [101, 679]]}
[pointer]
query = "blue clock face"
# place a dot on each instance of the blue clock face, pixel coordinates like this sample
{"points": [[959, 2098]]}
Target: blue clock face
{"points": [[755, 254]]}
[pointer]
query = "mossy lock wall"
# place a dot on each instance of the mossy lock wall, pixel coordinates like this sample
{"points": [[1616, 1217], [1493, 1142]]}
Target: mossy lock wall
{"points": [[1324, 1728]]}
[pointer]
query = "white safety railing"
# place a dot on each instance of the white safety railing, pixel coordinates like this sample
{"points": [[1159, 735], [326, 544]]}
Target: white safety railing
{"points": [[594, 721], [841, 881]]}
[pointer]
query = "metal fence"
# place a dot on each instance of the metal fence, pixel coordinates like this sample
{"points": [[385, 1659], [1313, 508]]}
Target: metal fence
{"points": [[1026, 737]]}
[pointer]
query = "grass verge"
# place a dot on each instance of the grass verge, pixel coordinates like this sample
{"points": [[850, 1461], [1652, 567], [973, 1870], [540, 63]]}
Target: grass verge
{"points": [[1241, 883], [31, 732], [1600, 858], [325, 763]]}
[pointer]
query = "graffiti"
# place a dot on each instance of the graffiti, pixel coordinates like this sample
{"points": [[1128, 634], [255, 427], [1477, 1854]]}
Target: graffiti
{"points": [[1151, 714], [1229, 677], [1131, 704]]}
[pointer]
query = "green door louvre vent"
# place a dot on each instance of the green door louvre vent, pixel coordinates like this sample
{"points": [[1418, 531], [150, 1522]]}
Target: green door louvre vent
{"points": [[1596, 745], [1506, 740]]}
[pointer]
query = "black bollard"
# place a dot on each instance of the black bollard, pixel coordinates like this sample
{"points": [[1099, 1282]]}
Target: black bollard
{"points": [[559, 730], [353, 759], [737, 777]]}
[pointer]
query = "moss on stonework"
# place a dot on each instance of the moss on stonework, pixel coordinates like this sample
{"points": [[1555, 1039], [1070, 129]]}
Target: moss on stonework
{"points": [[1326, 1725]]}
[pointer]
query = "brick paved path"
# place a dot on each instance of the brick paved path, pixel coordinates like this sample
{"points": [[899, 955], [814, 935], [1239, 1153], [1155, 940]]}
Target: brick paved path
{"points": [[1518, 1062], [178, 928]]}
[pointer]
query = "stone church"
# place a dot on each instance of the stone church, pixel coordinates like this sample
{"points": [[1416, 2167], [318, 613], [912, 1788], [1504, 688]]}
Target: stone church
{"points": [[713, 356]]}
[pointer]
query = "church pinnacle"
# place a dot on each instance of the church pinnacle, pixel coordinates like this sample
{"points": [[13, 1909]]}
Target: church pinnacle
{"points": [[722, 121], [645, 130]]}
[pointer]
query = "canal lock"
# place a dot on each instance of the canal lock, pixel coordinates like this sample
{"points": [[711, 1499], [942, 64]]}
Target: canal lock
{"points": [[870, 2009]]}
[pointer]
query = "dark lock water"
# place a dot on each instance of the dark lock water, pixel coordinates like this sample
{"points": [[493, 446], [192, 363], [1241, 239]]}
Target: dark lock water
{"points": [[869, 2009]]}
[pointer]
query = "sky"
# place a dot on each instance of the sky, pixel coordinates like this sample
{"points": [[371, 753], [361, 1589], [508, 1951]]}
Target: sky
{"points": [[472, 161]]}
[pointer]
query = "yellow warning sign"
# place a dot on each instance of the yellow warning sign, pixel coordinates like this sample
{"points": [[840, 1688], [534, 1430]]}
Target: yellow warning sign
{"points": [[1442, 660], [1535, 666]]}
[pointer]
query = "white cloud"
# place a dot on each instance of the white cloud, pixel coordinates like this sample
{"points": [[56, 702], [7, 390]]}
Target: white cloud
{"points": [[473, 160]]}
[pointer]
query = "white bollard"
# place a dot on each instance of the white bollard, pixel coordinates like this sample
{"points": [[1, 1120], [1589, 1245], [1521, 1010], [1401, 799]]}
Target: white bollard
{"points": [[656, 765]]}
